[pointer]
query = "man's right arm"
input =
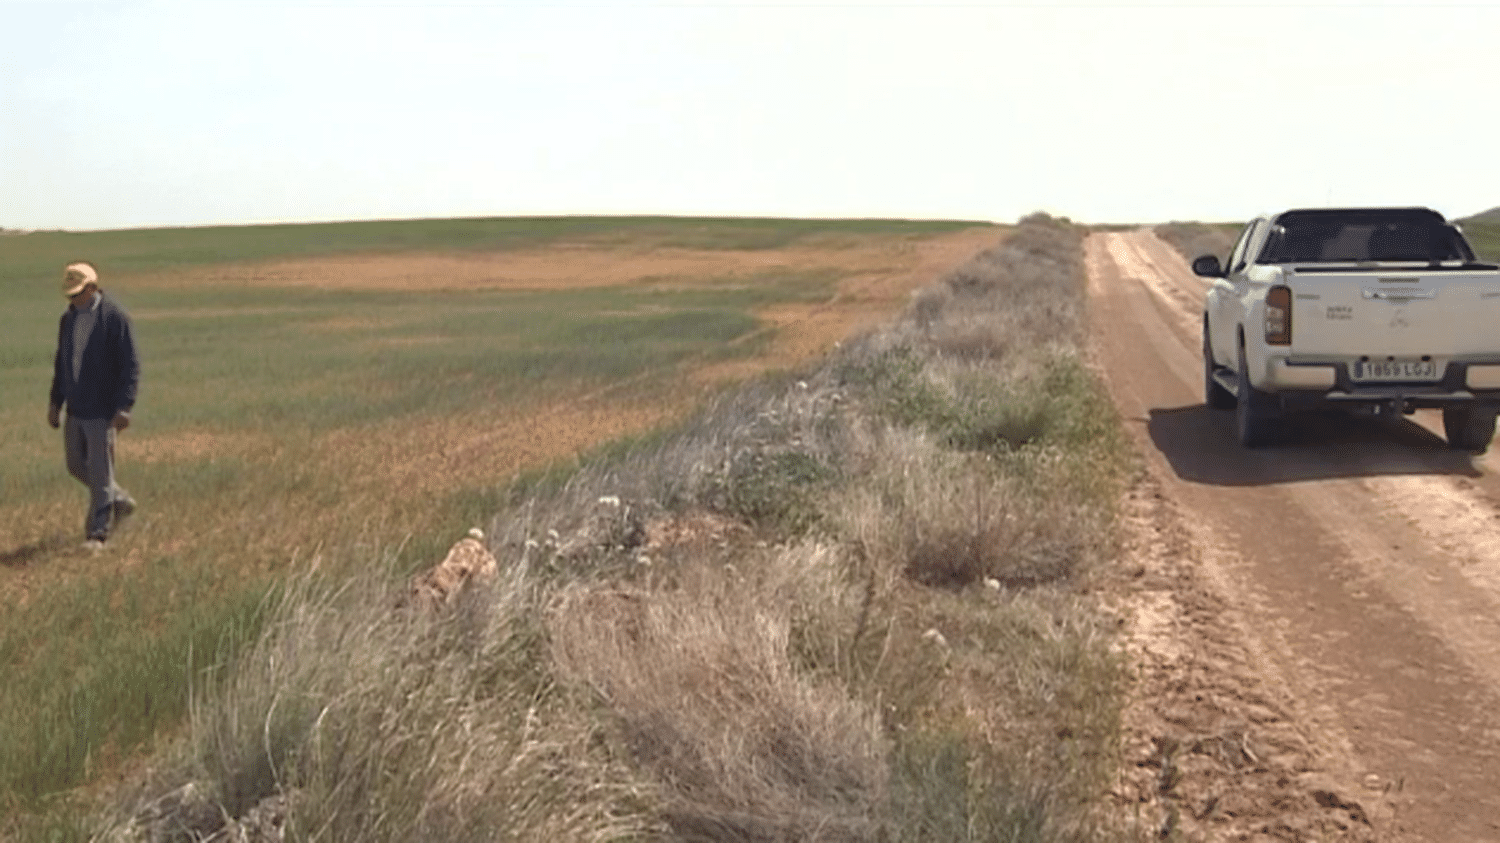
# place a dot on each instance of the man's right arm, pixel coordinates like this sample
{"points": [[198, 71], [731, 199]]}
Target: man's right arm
{"points": [[54, 406]]}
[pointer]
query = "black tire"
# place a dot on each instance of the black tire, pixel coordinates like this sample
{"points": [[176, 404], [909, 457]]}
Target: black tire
{"points": [[1255, 412], [1214, 393], [1469, 428]]}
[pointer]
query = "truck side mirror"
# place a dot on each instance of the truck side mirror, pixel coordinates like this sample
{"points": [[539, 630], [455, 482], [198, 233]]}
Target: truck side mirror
{"points": [[1208, 267]]}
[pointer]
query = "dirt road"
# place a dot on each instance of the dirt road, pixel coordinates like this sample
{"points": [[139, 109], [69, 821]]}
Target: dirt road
{"points": [[1317, 623]]}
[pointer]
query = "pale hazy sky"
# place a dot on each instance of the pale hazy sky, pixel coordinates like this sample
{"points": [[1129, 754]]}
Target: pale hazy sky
{"points": [[130, 114]]}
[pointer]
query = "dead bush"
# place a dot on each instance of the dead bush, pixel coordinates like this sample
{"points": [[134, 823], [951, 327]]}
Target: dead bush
{"points": [[708, 699]]}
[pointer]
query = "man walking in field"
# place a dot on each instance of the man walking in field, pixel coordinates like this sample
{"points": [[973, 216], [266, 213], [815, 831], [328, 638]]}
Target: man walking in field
{"points": [[94, 375]]}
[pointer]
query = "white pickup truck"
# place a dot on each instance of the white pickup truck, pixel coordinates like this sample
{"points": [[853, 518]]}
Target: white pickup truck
{"points": [[1375, 310]]}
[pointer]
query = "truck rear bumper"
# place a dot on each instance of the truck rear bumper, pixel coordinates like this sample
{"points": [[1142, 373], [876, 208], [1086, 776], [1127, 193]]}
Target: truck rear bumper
{"points": [[1286, 375], [1308, 385], [1483, 376]]}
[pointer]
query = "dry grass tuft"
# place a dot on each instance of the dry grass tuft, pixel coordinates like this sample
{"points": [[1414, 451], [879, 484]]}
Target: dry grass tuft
{"points": [[959, 520], [382, 724], [702, 680]]}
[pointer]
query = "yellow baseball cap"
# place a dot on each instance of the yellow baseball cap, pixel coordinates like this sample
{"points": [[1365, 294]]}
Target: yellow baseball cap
{"points": [[76, 277]]}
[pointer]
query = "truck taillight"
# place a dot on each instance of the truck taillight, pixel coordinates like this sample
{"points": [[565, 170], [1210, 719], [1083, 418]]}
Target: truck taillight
{"points": [[1279, 315]]}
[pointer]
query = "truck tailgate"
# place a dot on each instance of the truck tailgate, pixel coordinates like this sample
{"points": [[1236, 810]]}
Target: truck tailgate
{"points": [[1441, 313]]}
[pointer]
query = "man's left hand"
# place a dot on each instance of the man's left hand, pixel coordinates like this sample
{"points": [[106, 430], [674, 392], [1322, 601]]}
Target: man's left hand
{"points": [[120, 421]]}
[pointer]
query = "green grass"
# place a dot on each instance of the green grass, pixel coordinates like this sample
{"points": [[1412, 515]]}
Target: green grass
{"points": [[40, 255], [1485, 238], [243, 390], [266, 362], [434, 352], [102, 690]]}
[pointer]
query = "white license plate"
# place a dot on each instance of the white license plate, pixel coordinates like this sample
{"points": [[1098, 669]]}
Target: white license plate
{"points": [[1395, 370]]}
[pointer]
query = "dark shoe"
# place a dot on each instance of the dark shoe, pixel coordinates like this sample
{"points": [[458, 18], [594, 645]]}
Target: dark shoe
{"points": [[124, 508]]}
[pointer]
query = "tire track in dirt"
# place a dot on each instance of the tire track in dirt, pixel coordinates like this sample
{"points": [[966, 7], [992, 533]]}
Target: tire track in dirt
{"points": [[1351, 577]]}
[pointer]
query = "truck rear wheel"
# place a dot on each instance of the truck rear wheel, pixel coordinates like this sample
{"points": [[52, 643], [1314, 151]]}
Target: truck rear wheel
{"points": [[1469, 428], [1255, 412]]}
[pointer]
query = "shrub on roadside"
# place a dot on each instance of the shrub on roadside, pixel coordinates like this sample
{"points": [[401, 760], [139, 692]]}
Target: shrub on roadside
{"points": [[368, 723], [709, 700]]}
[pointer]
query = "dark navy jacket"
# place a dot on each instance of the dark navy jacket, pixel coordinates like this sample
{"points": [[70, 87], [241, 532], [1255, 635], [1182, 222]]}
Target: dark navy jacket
{"points": [[111, 367]]}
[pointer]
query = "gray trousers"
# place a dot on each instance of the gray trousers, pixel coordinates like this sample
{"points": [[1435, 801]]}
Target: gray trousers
{"points": [[90, 448]]}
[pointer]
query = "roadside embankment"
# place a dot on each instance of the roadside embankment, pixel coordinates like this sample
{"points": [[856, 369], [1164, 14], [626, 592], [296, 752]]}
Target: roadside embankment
{"points": [[851, 603]]}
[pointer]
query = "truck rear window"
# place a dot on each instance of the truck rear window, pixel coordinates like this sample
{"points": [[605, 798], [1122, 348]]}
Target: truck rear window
{"points": [[1357, 240]]}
